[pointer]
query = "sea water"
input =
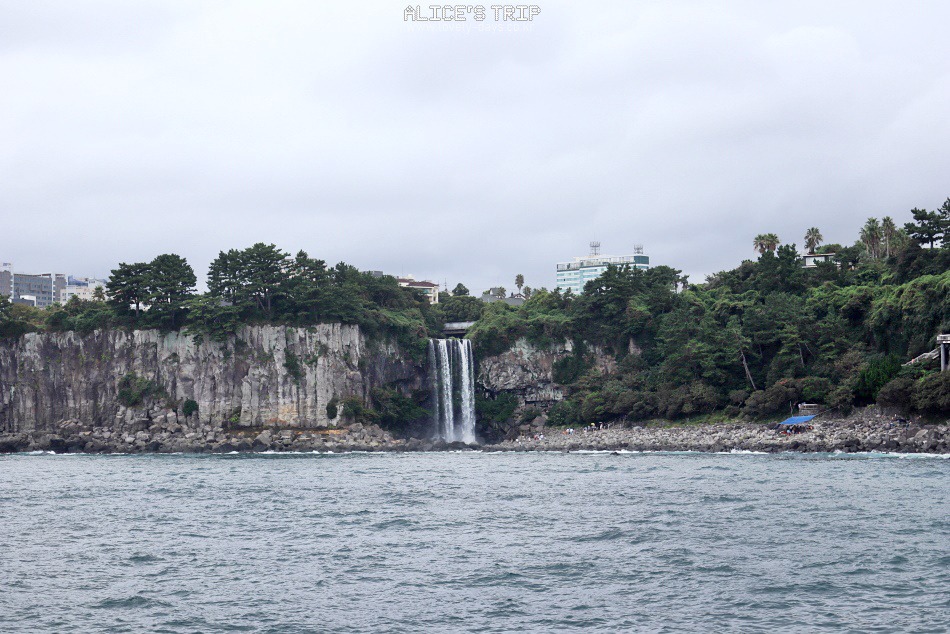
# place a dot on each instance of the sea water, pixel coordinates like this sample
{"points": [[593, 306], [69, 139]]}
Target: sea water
{"points": [[474, 542]]}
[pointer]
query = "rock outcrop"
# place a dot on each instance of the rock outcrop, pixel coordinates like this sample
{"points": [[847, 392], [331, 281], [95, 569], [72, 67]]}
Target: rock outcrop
{"points": [[527, 371], [847, 436], [73, 436], [264, 376]]}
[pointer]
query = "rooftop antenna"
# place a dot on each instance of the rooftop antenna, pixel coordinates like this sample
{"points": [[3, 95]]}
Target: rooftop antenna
{"points": [[594, 249]]}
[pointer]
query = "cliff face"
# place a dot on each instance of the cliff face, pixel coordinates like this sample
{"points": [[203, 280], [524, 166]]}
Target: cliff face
{"points": [[527, 371], [265, 376]]}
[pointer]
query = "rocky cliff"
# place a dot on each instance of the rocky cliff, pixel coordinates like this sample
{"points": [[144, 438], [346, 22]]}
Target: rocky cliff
{"points": [[527, 371], [265, 376]]}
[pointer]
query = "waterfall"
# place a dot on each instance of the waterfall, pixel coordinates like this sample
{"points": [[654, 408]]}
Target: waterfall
{"points": [[447, 406], [451, 373], [467, 387]]}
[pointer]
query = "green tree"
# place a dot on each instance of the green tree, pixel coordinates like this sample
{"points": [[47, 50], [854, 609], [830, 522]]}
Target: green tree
{"points": [[765, 242], [927, 228], [871, 237], [813, 238], [128, 287], [10, 325], [170, 283], [251, 279], [212, 317], [396, 411], [460, 290], [519, 281], [888, 234], [944, 214], [462, 308], [874, 375], [306, 290]]}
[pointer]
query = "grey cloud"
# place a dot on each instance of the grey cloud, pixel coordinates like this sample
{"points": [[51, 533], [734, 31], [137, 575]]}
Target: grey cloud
{"points": [[462, 155]]}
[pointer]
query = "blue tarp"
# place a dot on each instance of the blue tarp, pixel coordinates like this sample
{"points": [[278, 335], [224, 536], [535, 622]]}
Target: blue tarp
{"points": [[796, 420]]}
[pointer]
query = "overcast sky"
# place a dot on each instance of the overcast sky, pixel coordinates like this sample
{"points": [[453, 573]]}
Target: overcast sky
{"points": [[462, 151]]}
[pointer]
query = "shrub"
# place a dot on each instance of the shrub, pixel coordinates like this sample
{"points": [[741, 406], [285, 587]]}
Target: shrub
{"points": [[332, 408], [135, 390], [778, 398], [932, 393], [644, 405], [670, 402], [842, 399], [396, 411], [738, 397], [898, 392], [815, 389], [874, 375], [703, 398], [563, 413], [292, 364], [357, 411], [189, 407], [498, 410], [528, 414], [568, 369]]}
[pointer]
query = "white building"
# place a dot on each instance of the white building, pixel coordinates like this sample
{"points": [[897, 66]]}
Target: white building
{"points": [[81, 287], [427, 288], [33, 289], [811, 260], [575, 274]]}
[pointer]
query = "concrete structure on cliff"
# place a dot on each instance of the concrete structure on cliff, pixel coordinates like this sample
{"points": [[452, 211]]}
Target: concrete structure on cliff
{"points": [[943, 344]]}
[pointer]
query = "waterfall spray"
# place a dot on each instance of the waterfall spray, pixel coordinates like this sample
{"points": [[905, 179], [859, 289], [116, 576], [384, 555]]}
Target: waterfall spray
{"points": [[451, 364]]}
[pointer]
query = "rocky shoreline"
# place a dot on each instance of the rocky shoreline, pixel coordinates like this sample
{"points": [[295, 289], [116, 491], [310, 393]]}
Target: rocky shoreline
{"points": [[71, 436], [863, 434], [848, 436]]}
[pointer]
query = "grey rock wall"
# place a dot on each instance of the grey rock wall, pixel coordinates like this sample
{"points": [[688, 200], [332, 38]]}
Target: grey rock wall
{"points": [[248, 381], [527, 371]]}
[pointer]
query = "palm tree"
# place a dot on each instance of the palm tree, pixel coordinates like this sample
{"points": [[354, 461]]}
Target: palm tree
{"points": [[871, 237], [813, 238], [519, 281], [889, 232], [765, 242]]}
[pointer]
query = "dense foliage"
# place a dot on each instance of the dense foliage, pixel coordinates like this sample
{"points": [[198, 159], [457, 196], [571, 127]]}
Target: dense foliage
{"points": [[755, 340], [257, 285], [388, 407]]}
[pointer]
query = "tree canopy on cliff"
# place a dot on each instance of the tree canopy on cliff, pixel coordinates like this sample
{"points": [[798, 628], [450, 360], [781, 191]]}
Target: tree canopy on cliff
{"points": [[756, 339], [257, 285], [262, 284]]}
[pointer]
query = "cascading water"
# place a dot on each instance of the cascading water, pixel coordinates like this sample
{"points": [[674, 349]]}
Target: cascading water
{"points": [[446, 404], [467, 387], [450, 368]]}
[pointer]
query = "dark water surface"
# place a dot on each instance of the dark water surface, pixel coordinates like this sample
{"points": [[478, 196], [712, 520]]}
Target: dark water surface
{"points": [[472, 542]]}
